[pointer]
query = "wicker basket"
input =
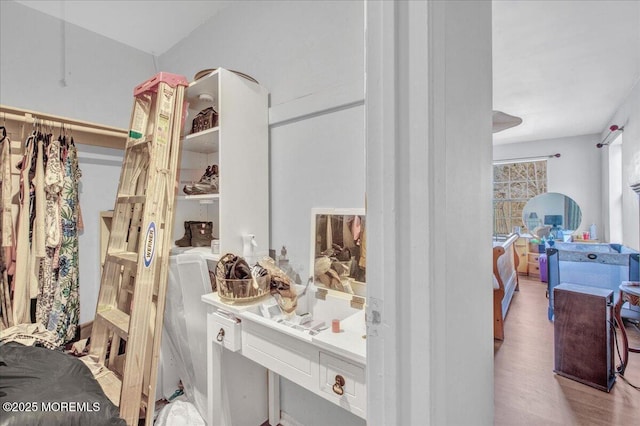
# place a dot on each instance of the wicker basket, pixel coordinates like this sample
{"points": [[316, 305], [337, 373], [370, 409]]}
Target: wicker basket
{"points": [[243, 290]]}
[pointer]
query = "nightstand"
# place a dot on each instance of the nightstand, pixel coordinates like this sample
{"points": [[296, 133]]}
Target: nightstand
{"points": [[522, 249], [533, 260]]}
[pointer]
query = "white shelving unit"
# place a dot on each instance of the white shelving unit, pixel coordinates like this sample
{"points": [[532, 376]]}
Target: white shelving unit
{"points": [[205, 142], [239, 146], [203, 198]]}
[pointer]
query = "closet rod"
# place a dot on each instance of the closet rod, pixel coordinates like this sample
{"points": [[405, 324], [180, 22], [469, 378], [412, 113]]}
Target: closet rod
{"points": [[74, 127], [525, 159], [107, 136]]}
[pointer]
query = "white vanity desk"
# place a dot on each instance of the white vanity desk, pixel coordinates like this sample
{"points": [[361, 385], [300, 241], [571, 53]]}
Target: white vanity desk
{"points": [[331, 365]]}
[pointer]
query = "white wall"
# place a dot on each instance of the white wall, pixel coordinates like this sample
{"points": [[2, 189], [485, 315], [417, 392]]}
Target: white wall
{"points": [[577, 173], [428, 118], [100, 175], [303, 52], [100, 73], [317, 162], [100, 77], [627, 115], [294, 49]]}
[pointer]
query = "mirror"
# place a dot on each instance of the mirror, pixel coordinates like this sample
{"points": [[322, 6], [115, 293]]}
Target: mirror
{"points": [[551, 215], [338, 249]]}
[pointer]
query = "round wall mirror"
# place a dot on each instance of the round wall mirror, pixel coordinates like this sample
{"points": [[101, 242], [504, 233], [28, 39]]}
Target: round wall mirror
{"points": [[551, 215]]}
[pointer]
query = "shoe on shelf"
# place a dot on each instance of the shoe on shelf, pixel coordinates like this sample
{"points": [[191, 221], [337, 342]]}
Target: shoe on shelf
{"points": [[201, 234], [185, 241], [208, 183]]}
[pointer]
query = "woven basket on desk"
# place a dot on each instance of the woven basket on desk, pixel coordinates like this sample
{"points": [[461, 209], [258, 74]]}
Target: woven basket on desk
{"points": [[243, 290]]}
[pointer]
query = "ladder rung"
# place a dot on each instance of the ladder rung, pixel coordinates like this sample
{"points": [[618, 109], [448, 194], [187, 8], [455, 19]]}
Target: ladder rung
{"points": [[127, 287], [145, 402], [125, 258], [132, 199], [138, 143], [116, 363], [111, 385], [117, 321], [130, 288]]}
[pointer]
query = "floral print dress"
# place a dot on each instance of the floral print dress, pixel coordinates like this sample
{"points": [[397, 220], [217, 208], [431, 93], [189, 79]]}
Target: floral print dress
{"points": [[65, 309], [53, 185]]}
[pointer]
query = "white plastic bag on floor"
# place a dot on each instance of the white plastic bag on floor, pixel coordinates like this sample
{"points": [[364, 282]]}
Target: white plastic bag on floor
{"points": [[184, 332], [179, 413]]}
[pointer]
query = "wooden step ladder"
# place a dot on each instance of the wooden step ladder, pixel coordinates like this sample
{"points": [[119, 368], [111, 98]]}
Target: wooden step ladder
{"points": [[128, 321]]}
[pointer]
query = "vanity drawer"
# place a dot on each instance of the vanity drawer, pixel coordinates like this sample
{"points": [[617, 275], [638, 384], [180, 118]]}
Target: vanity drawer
{"points": [[338, 375], [534, 257], [227, 332], [283, 354], [534, 269]]}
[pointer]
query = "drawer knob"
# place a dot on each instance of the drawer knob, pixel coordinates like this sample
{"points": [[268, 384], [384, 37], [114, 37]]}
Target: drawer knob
{"points": [[338, 385], [220, 336]]}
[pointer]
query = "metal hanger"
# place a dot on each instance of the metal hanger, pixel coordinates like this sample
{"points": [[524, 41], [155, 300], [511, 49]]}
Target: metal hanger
{"points": [[2, 127]]}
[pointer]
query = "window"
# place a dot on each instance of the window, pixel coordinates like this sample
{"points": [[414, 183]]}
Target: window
{"points": [[615, 190], [513, 185]]}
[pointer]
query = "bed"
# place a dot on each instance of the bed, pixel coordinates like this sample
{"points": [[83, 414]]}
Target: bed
{"points": [[505, 281], [40, 386]]}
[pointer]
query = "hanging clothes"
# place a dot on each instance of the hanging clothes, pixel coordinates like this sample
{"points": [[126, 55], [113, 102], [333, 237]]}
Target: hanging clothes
{"points": [[54, 180], [6, 188], [21, 281], [53, 185], [6, 229], [65, 312], [39, 193], [36, 216], [47, 236]]}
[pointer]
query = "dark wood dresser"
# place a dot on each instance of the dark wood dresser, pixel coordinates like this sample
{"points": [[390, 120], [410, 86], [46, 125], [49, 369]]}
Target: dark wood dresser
{"points": [[583, 338]]}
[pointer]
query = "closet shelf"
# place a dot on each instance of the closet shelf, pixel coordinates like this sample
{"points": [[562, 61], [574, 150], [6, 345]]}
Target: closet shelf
{"points": [[205, 142], [208, 86], [202, 198], [202, 251]]}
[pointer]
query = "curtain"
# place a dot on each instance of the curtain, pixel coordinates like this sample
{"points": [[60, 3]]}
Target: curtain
{"points": [[572, 214]]}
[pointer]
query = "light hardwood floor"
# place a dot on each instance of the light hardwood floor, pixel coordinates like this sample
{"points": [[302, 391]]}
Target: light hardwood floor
{"points": [[527, 392]]}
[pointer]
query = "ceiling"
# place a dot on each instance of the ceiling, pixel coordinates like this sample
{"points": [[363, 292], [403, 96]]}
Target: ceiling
{"points": [[151, 26], [563, 66]]}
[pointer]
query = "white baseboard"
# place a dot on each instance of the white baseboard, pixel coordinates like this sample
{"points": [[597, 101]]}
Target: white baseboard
{"points": [[287, 420]]}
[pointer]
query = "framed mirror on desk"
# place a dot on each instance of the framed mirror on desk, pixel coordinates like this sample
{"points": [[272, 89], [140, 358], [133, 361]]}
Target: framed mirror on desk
{"points": [[338, 250]]}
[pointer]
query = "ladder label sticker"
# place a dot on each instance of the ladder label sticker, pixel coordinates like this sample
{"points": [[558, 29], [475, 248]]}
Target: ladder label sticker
{"points": [[149, 244], [166, 102], [140, 117], [163, 130], [135, 135]]}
